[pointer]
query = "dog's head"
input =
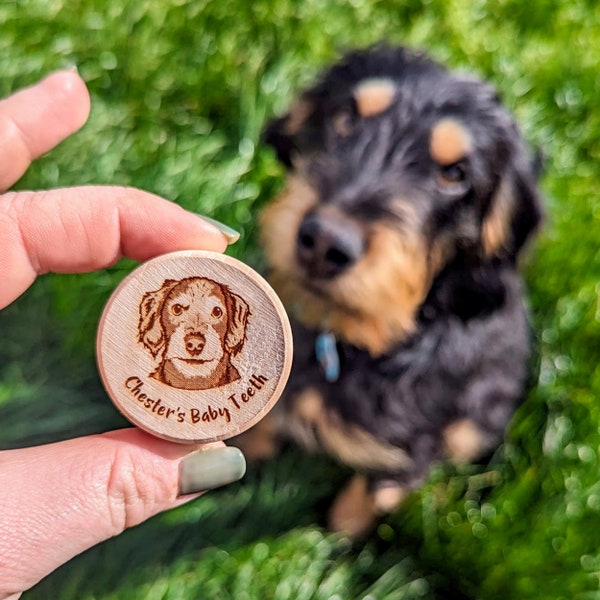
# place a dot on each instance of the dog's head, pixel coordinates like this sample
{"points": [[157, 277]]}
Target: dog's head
{"points": [[396, 167], [192, 326]]}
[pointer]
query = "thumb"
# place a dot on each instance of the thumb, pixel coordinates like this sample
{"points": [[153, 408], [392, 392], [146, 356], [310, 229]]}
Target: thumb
{"points": [[60, 499]]}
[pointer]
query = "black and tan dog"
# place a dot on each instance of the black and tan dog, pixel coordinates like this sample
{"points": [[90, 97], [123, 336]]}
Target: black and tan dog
{"points": [[410, 194]]}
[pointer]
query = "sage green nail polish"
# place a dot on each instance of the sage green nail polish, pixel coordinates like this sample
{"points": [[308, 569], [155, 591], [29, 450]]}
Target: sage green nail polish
{"points": [[231, 234], [209, 469]]}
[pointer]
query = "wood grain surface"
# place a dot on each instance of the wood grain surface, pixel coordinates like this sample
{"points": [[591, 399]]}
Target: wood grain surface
{"points": [[194, 347]]}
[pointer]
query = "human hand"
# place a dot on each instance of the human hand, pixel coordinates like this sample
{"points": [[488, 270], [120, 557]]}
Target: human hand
{"points": [[59, 499]]}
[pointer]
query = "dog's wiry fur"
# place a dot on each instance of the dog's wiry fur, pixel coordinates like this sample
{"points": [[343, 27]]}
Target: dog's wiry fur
{"points": [[409, 197]]}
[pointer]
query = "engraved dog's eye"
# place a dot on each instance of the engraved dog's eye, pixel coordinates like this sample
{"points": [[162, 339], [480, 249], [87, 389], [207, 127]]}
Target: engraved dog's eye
{"points": [[177, 309], [217, 312]]}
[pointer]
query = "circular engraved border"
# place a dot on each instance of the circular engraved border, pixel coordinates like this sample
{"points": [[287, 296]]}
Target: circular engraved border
{"points": [[144, 357]]}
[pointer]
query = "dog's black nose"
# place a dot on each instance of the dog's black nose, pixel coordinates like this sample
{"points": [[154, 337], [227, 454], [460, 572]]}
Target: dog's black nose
{"points": [[194, 343], [328, 244]]}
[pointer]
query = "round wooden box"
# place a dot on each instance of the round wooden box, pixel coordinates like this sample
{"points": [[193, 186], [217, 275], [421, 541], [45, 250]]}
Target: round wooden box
{"points": [[194, 347]]}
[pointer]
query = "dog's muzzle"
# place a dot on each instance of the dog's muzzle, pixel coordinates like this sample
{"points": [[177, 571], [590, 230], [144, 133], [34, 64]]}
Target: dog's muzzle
{"points": [[328, 244], [194, 343]]}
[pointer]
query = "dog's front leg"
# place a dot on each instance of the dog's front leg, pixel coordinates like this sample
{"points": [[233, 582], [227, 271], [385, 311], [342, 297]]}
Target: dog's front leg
{"points": [[261, 442]]}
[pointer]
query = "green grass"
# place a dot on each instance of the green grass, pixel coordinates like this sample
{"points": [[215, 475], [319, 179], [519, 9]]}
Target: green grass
{"points": [[180, 90]]}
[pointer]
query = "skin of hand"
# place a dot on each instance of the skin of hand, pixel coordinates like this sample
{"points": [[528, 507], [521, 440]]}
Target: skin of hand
{"points": [[59, 499]]}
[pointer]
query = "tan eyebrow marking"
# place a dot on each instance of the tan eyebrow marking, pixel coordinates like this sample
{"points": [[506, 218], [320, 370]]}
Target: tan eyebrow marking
{"points": [[373, 96], [450, 142]]}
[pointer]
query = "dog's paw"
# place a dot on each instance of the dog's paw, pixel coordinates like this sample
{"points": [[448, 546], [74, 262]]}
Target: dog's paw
{"points": [[388, 497], [464, 441]]}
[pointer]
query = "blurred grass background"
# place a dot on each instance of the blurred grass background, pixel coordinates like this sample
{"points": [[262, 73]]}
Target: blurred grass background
{"points": [[180, 90]]}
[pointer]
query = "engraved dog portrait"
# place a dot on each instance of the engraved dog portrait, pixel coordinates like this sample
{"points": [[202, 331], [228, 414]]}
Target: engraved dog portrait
{"points": [[193, 327]]}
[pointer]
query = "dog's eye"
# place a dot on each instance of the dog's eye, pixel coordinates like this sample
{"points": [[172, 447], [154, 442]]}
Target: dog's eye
{"points": [[177, 309], [453, 178], [454, 173], [217, 312]]}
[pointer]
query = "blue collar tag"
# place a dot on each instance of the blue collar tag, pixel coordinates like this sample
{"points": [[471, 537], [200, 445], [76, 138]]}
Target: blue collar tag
{"points": [[327, 356]]}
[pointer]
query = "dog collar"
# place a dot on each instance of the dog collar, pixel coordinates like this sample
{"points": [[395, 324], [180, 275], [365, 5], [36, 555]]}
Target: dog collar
{"points": [[327, 356]]}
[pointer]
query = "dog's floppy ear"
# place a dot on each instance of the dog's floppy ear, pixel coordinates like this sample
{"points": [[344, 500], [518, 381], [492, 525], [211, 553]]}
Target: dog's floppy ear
{"points": [[515, 211], [150, 330], [285, 133], [238, 312]]}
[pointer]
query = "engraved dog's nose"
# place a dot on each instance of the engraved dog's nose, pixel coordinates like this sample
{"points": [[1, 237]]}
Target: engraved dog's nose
{"points": [[194, 343], [328, 244]]}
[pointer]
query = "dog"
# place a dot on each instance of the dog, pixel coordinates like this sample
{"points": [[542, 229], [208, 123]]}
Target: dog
{"points": [[409, 197], [194, 326]]}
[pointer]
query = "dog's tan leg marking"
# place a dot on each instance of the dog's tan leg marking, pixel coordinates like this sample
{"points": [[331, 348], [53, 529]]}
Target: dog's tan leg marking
{"points": [[309, 406], [302, 424], [373, 96], [352, 445], [449, 142], [260, 441], [353, 512], [464, 441]]}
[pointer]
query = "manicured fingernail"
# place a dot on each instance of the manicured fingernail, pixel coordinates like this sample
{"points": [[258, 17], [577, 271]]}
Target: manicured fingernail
{"points": [[210, 469], [231, 234]]}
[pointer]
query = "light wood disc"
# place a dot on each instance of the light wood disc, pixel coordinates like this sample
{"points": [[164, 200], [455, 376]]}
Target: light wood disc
{"points": [[194, 347]]}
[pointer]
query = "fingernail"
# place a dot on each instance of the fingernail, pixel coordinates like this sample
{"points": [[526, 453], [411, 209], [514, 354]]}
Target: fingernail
{"points": [[210, 469], [231, 234]]}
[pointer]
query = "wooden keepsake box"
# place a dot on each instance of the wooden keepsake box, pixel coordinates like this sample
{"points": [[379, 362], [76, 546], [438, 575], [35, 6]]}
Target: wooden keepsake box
{"points": [[194, 347]]}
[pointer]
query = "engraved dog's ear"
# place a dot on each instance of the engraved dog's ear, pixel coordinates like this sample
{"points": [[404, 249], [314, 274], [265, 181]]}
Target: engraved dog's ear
{"points": [[150, 330], [515, 211], [238, 313]]}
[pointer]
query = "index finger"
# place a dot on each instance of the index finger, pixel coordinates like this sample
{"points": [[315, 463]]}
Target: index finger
{"points": [[75, 230], [35, 119]]}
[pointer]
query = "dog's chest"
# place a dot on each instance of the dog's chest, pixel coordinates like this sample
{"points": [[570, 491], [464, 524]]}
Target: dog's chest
{"points": [[344, 385], [453, 368]]}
